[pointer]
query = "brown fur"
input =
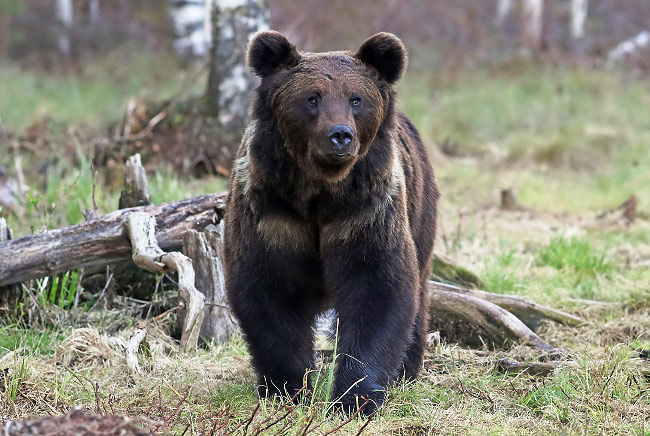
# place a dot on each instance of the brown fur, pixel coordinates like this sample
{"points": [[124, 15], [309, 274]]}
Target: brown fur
{"points": [[313, 223]]}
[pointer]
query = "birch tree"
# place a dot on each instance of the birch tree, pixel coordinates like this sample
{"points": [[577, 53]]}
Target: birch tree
{"points": [[532, 21], [579, 10], [503, 11], [230, 83], [64, 10]]}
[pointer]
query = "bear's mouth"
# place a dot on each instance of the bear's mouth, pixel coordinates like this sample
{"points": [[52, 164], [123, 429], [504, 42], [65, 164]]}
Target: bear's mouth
{"points": [[334, 159], [332, 164]]}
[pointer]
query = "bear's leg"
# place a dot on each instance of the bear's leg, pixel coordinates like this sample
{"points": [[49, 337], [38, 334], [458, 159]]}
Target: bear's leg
{"points": [[375, 294], [277, 321], [280, 341], [415, 351]]}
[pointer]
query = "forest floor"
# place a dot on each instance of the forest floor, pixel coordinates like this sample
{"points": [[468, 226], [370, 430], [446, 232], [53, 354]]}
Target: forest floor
{"points": [[572, 145]]}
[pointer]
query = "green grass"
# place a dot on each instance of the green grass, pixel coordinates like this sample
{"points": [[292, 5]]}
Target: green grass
{"points": [[95, 98], [17, 336], [535, 106], [68, 192], [576, 255], [567, 140]]}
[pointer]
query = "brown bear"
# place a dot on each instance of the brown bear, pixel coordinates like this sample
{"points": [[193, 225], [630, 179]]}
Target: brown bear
{"points": [[332, 204]]}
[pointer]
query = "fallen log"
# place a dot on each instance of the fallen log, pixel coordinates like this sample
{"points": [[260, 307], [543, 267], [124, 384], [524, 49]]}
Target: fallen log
{"points": [[475, 322], [9, 295], [531, 314], [473, 317], [103, 240], [546, 368]]}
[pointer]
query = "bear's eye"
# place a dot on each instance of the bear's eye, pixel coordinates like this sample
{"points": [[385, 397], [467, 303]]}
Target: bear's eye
{"points": [[313, 101], [356, 101]]}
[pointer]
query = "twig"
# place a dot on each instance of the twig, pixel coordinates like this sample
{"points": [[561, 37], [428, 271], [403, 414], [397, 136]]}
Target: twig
{"points": [[175, 411], [251, 418], [365, 424], [97, 400], [132, 351], [153, 122], [101, 294], [157, 318], [353, 416]]}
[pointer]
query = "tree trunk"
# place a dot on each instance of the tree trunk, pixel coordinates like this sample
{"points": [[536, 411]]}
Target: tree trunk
{"points": [[94, 12], [191, 24], [579, 10], [230, 83], [503, 10], [65, 16], [628, 47], [532, 24]]}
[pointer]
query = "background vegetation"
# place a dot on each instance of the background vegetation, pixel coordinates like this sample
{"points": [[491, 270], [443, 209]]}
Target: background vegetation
{"points": [[570, 137]]}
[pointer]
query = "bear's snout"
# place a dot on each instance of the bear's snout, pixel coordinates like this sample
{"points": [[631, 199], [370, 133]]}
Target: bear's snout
{"points": [[341, 136]]}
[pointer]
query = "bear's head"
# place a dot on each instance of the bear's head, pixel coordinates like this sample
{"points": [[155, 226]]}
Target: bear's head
{"points": [[328, 107]]}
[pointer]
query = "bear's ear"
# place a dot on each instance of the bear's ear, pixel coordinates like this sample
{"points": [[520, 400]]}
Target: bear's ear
{"points": [[270, 50], [386, 54]]}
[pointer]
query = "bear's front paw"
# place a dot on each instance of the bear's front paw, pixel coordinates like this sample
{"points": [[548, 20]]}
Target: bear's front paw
{"points": [[294, 391], [366, 403]]}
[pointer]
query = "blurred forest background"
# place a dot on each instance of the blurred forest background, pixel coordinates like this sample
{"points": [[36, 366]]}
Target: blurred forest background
{"points": [[536, 114]]}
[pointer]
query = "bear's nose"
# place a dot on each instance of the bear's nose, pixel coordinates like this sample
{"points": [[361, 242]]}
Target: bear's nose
{"points": [[340, 135]]}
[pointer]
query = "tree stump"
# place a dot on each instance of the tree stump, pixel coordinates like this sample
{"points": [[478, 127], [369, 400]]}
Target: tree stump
{"points": [[129, 279], [9, 295], [508, 199], [205, 248], [136, 187]]}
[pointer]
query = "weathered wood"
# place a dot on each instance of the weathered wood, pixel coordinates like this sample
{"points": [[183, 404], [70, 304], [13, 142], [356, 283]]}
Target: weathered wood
{"points": [[10, 294], [473, 321], [5, 233], [533, 368], [141, 227], [136, 187], [205, 248], [545, 368], [129, 279], [509, 199], [131, 351], [472, 317], [531, 314], [104, 240]]}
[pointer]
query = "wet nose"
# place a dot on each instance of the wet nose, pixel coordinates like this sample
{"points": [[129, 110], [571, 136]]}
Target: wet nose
{"points": [[340, 135]]}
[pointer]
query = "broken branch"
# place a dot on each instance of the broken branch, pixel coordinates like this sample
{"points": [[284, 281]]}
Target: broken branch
{"points": [[141, 228]]}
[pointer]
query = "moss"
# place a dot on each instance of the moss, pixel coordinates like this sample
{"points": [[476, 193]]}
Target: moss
{"points": [[457, 275]]}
